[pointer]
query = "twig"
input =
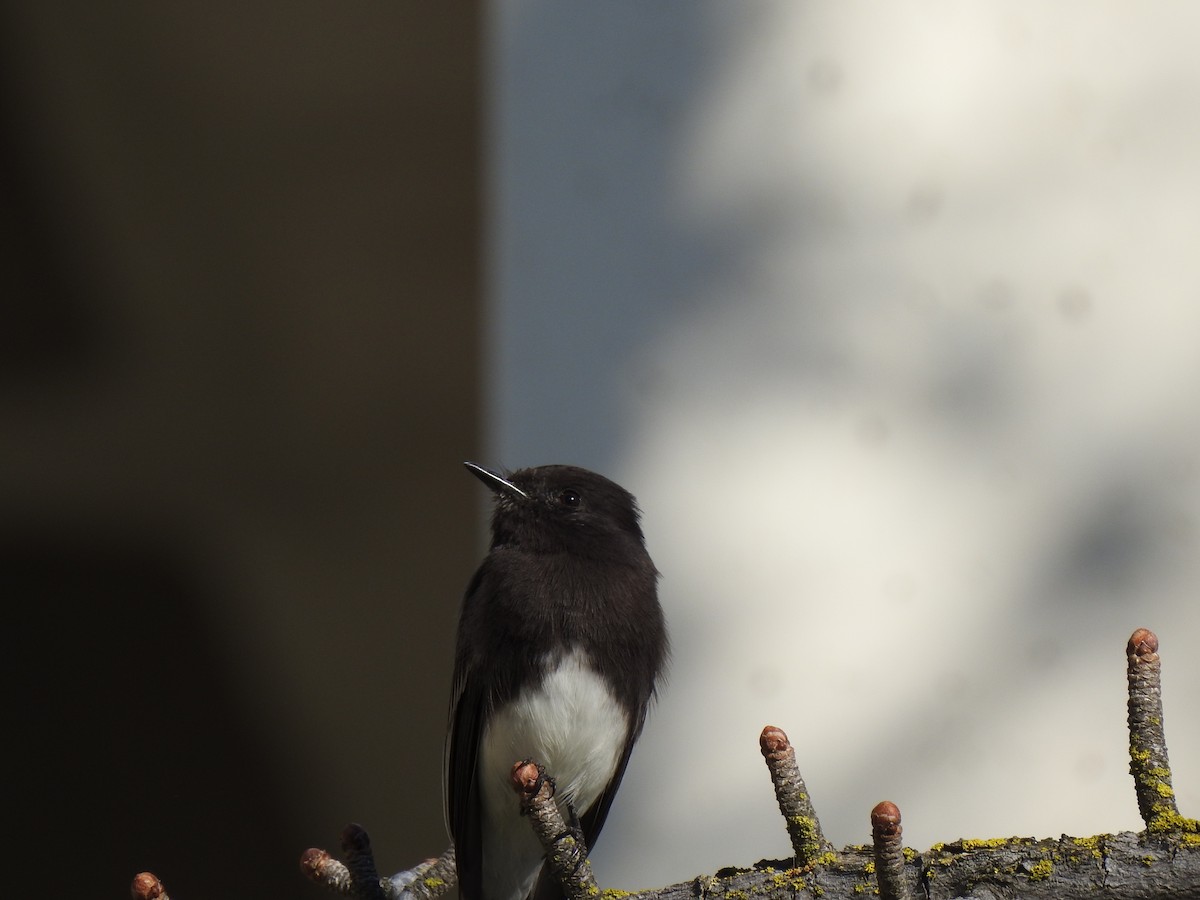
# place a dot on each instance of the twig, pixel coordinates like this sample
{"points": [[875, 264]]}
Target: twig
{"points": [[808, 842], [887, 840], [321, 868], [1148, 761], [566, 853], [430, 879], [427, 880]]}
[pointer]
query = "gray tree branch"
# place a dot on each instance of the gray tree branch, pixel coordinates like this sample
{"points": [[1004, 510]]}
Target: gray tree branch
{"points": [[1162, 862]]}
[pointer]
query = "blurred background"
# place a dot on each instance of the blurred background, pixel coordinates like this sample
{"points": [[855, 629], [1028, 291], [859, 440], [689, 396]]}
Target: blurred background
{"points": [[890, 317]]}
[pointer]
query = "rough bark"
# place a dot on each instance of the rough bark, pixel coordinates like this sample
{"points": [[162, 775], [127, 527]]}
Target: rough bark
{"points": [[1116, 866]]}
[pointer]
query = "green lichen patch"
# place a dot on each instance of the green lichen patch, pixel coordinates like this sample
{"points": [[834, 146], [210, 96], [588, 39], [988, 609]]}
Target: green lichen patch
{"points": [[1082, 850], [1166, 820], [1041, 870], [805, 832], [968, 845]]}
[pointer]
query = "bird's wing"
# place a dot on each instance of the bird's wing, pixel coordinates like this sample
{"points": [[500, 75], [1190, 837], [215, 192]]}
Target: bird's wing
{"points": [[463, 813], [593, 819], [460, 783]]}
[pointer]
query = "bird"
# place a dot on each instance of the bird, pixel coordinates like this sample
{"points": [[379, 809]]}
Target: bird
{"points": [[561, 648]]}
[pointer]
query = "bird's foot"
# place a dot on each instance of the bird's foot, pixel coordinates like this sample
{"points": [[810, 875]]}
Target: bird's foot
{"points": [[574, 831]]}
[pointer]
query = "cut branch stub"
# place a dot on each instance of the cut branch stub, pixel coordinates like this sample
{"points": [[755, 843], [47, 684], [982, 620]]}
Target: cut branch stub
{"points": [[146, 886], [808, 843], [321, 868], [566, 852], [1148, 761], [887, 840]]}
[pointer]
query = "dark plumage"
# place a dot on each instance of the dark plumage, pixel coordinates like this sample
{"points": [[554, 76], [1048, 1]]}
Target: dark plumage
{"points": [[561, 642]]}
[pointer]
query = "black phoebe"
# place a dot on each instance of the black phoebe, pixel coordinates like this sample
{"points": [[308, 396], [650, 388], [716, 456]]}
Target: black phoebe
{"points": [[561, 641]]}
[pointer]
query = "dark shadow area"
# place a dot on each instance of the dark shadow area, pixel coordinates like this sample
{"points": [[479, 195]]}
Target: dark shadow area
{"points": [[135, 746], [241, 283]]}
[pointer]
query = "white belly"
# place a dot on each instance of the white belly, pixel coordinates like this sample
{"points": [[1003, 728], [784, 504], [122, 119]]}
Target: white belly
{"points": [[574, 727]]}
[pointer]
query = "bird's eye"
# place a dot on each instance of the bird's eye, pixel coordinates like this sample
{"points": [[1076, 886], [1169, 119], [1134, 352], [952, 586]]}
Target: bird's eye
{"points": [[568, 497]]}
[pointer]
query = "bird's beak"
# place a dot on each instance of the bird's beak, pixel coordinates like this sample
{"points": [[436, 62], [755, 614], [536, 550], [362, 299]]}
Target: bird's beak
{"points": [[497, 484]]}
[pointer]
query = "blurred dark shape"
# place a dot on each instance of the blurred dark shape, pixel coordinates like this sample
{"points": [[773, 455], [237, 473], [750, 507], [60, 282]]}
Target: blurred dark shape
{"points": [[1116, 538], [240, 290], [50, 321]]}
